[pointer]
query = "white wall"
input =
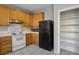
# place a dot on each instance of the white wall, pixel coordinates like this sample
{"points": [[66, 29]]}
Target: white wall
{"points": [[3, 29], [56, 25], [48, 12]]}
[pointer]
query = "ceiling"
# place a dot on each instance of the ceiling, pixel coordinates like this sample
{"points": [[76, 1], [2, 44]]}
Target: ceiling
{"points": [[29, 7]]}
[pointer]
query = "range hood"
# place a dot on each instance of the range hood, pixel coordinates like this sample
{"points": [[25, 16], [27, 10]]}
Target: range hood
{"points": [[16, 21]]}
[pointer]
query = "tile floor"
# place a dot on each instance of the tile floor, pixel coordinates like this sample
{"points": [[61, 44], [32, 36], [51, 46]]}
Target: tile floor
{"points": [[65, 52], [31, 50], [35, 50]]}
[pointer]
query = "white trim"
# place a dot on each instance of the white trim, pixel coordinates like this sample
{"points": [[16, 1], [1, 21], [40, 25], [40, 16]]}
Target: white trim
{"points": [[57, 52], [59, 33], [69, 8], [59, 11]]}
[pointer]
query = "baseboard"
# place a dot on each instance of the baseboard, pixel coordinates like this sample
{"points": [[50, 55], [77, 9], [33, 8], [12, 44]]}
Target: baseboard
{"points": [[56, 52]]}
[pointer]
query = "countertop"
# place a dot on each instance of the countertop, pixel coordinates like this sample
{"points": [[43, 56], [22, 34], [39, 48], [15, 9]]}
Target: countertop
{"points": [[9, 34], [5, 33], [30, 32]]}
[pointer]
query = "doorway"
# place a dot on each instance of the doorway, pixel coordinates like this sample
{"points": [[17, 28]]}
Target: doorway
{"points": [[69, 30]]}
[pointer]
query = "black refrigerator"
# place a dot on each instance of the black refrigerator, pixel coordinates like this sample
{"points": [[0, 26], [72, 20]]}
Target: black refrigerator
{"points": [[46, 35]]}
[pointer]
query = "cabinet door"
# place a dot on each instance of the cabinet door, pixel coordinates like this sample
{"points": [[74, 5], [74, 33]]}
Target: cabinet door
{"points": [[20, 15], [12, 14], [16, 14], [28, 20], [38, 17], [28, 39], [35, 38], [4, 15], [5, 50]]}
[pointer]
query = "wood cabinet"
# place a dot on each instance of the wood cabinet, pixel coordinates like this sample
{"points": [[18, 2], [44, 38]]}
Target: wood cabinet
{"points": [[17, 14], [20, 15], [5, 44], [12, 14], [37, 17], [28, 20], [4, 16], [35, 38], [32, 38], [28, 39]]}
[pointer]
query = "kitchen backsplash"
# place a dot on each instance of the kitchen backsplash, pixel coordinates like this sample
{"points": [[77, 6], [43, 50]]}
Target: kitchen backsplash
{"points": [[26, 29], [3, 28], [6, 29], [15, 28]]}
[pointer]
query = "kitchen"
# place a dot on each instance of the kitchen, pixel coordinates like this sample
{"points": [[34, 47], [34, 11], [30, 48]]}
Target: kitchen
{"points": [[19, 28]]}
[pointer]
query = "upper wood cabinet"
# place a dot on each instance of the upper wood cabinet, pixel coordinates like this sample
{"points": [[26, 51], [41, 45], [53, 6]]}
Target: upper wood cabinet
{"points": [[12, 14], [20, 15], [28, 20], [4, 16], [37, 17], [17, 14]]}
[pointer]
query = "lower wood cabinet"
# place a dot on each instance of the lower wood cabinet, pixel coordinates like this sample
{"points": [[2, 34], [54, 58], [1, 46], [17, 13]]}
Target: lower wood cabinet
{"points": [[5, 44], [32, 38], [28, 39], [35, 38]]}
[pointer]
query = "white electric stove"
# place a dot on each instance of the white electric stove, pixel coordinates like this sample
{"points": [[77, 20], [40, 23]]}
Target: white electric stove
{"points": [[18, 38], [18, 41]]}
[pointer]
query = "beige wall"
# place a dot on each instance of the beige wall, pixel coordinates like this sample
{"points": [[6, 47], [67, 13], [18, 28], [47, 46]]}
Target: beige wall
{"points": [[48, 12]]}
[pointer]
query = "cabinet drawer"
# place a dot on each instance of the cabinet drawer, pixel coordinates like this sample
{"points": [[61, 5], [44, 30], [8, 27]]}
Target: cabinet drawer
{"points": [[6, 42], [2, 39], [6, 46], [5, 50]]}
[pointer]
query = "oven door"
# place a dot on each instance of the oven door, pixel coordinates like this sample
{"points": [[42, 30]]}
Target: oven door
{"points": [[18, 41]]}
